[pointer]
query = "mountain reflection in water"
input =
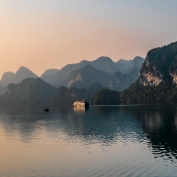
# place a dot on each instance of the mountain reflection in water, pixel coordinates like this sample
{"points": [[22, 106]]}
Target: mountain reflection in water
{"points": [[154, 126]]}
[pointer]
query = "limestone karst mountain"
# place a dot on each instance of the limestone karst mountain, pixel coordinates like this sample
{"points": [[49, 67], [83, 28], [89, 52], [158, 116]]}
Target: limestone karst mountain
{"points": [[86, 76], [22, 73], [29, 91], [49, 72], [2, 90], [61, 77], [119, 81], [125, 66], [158, 77], [7, 78], [82, 75]]}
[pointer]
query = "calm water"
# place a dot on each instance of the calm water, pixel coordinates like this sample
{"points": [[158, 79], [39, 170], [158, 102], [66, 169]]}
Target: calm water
{"points": [[123, 141]]}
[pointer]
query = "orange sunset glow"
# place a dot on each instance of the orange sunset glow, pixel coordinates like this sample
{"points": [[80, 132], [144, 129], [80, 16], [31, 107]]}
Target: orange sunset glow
{"points": [[51, 35]]}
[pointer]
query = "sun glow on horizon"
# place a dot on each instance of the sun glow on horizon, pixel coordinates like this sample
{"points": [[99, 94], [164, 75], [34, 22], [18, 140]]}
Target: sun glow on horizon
{"points": [[43, 35]]}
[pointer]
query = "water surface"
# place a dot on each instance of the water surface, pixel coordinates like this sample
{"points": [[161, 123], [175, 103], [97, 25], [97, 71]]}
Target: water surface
{"points": [[126, 141]]}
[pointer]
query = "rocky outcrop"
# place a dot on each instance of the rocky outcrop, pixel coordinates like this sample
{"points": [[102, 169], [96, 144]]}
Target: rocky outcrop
{"points": [[160, 66], [149, 79], [174, 76], [86, 76], [78, 78], [158, 77]]}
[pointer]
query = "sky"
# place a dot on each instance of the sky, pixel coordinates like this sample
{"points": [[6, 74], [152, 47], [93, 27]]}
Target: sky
{"points": [[44, 34]]}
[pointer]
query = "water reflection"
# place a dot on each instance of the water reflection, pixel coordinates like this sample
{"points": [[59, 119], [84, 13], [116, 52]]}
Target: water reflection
{"points": [[154, 125], [159, 125], [80, 109], [94, 124]]}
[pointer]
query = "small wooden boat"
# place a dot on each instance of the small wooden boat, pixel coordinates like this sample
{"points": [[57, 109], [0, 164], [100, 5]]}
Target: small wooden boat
{"points": [[46, 110]]}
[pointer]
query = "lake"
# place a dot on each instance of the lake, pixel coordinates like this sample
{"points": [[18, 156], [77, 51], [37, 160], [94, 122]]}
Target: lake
{"points": [[102, 141]]}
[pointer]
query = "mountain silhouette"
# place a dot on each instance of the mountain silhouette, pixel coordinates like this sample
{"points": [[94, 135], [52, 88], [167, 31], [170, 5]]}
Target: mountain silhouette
{"points": [[2, 90], [49, 72], [22, 73], [86, 76], [29, 91], [102, 63]]}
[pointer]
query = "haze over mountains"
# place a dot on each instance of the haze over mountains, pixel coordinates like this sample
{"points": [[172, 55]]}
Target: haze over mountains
{"points": [[102, 70], [49, 72], [155, 80], [81, 80], [86, 76], [125, 66], [63, 77], [10, 77], [2, 90]]}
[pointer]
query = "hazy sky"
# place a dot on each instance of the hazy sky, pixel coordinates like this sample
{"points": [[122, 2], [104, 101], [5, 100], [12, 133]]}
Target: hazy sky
{"points": [[42, 34]]}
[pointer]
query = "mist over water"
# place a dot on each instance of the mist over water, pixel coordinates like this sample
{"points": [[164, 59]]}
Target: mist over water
{"points": [[137, 140]]}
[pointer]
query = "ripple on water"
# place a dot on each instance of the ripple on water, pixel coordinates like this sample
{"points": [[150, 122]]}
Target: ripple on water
{"points": [[114, 141]]}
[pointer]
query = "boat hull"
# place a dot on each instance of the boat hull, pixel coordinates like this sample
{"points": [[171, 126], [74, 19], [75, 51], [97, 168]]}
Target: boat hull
{"points": [[81, 104]]}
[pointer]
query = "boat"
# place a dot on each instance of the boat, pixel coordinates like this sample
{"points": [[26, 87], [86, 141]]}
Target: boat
{"points": [[46, 110], [81, 103]]}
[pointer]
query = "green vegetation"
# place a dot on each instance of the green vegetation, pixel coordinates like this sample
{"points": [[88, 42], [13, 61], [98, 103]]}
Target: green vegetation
{"points": [[66, 97], [141, 94], [160, 63], [157, 83], [106, 97], [29, 91]]}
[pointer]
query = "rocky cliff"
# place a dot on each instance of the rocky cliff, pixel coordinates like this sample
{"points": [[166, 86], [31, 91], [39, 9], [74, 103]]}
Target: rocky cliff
{"points": [[158, 77], [160, 66]]}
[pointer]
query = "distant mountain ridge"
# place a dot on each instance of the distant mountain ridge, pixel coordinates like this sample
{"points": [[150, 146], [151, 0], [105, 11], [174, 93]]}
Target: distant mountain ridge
{"points": [[119, 81], [10, 77], [84, 77], [125, 66], [26, 88], [102, 63], [66, 76], [49, 72]]}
